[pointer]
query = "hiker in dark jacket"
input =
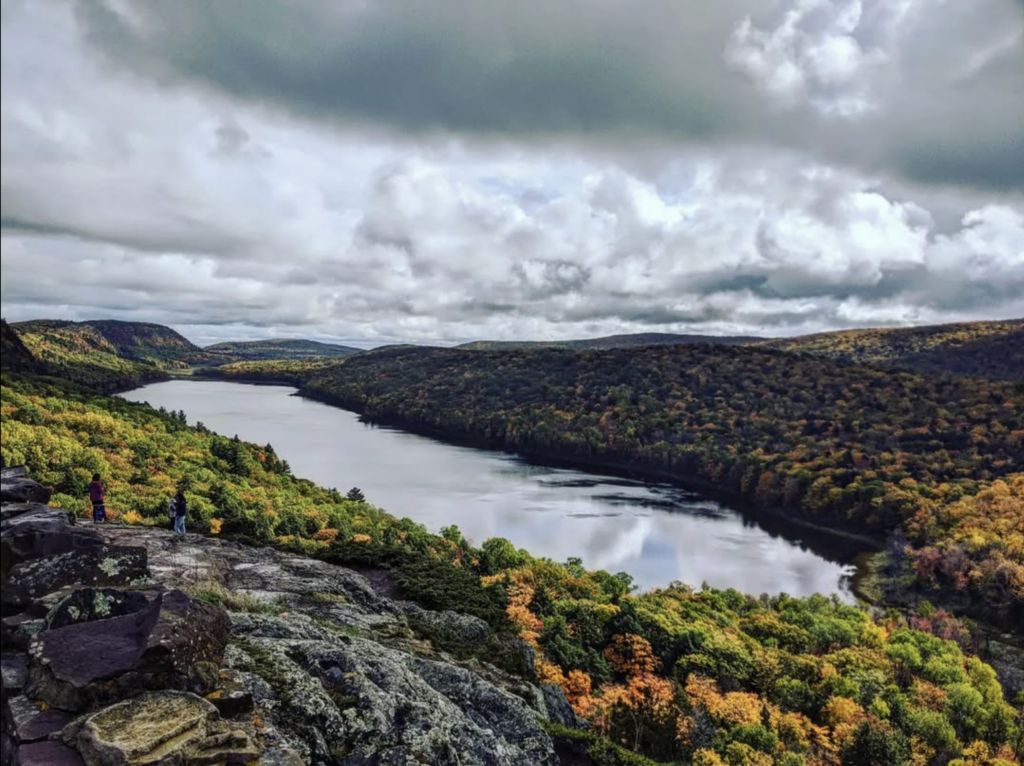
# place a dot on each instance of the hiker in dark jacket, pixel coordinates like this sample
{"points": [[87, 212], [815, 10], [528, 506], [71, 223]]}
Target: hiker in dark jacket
{"points": [[179, 508], [97, 495]]}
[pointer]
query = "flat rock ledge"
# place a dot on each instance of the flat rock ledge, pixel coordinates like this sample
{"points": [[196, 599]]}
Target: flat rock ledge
{"points": [[124, 647]]}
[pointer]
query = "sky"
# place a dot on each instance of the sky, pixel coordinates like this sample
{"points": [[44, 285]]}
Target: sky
{"points": [[376, 172]]}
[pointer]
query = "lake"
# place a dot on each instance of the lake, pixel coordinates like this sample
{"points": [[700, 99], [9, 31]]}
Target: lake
{"points": [[654, 531]]}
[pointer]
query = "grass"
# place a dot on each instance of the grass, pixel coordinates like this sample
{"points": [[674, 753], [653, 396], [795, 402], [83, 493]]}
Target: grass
{"points": [[327, 598], [215, 592]]}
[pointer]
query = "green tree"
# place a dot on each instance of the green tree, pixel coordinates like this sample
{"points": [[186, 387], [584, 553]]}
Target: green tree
{"points": [[874, 744]]}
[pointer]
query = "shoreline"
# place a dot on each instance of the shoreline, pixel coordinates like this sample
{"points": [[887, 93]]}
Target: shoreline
{"points": [[622, 469], [846, 546]]}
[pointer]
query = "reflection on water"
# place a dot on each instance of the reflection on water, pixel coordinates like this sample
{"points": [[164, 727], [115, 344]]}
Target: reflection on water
{"points": [[656, 532]]}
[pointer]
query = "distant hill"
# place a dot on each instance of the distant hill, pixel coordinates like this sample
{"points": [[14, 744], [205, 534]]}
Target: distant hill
{"points": [[145, 342], [13, 353], [993, 350], [612, 341], [105, 354], [109, 355], [274, 349]]}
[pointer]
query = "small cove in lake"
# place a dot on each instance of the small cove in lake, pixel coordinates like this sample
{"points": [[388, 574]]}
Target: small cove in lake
{"points": [[657, 532]]}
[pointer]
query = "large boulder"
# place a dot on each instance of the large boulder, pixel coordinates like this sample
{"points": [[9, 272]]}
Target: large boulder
{"points": [[168, 728], [155, 728], [88, 604], [37, 532], [83, 664], [29, 581], [18, 489]]}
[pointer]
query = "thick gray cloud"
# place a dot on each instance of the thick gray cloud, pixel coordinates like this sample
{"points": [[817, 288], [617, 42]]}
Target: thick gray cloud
{"points": [[382, 172], [933, 90]]}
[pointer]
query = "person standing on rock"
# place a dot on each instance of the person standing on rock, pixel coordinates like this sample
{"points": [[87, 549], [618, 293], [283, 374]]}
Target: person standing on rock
{"points": [[179, 509], [97, 494]]}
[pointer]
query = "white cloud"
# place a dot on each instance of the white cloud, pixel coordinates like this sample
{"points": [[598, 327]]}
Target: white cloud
{"points": [[817, 52], [123, 196]]}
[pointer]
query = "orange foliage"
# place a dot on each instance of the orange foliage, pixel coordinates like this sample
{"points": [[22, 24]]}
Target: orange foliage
{"points": [[327, 535], [632, 655], [733, 708]]}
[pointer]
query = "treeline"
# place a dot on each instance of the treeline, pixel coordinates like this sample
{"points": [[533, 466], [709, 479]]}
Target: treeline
{"points": [[293, 372], [677, 675], [881, 450]]}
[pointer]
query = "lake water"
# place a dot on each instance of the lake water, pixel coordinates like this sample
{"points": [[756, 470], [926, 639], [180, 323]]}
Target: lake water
{"points": [[656, 532]]}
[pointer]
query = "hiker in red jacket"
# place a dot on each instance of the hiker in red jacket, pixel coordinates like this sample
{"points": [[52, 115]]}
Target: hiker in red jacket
{"points": [[97, 493]]}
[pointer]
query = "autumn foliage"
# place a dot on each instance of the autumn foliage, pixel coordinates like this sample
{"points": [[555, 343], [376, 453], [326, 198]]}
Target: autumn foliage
{"points": [[940, 459]]}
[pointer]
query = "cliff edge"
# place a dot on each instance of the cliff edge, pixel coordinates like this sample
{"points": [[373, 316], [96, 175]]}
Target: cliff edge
{"points": [[123, 646]]}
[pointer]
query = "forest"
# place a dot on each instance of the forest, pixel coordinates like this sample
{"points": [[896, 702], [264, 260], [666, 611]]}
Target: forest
{"points": [[935, 460], [992, 350], [676, 675], [111, 356], [294, 372], [270, 350]]}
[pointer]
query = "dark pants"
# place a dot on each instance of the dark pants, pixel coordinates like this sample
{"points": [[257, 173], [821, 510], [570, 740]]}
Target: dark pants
{"points": [[99, 512]]}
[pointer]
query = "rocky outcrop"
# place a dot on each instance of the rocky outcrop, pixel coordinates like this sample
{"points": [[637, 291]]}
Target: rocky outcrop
{"points": [[85, 663], [162, 728], [16, 487], [211, 652], [41, 551]]}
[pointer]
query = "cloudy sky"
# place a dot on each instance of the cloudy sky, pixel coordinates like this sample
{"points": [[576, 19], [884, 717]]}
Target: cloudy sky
{"points": [[439, 172]]}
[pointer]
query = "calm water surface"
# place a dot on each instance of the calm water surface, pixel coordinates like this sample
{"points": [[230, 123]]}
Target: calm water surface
{"points": [[656, 532]]}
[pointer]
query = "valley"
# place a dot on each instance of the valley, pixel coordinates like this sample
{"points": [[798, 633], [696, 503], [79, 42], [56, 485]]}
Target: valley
{"points": [[598, 575]]}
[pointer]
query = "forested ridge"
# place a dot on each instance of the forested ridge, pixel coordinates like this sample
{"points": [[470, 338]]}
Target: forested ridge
{"points": [[277, 349], [288, 371], [680, 675], [111, 355], [938, 459], [630, 340], [105, 355], [973, 349]]}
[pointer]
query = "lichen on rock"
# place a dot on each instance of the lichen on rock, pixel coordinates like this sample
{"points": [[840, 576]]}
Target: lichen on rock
{"points": [[158, 676]]}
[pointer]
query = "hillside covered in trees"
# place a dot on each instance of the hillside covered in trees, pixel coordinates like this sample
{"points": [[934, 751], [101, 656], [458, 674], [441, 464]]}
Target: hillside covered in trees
{"points": [[293, 372], [111, 355], [974, 349], [938, 459], [13, 353], [104, 354], [678, 675], [275, 349]]}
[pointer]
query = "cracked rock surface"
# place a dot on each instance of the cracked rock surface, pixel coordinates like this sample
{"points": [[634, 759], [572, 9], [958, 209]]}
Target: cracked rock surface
{"points": [[206, 651]]}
